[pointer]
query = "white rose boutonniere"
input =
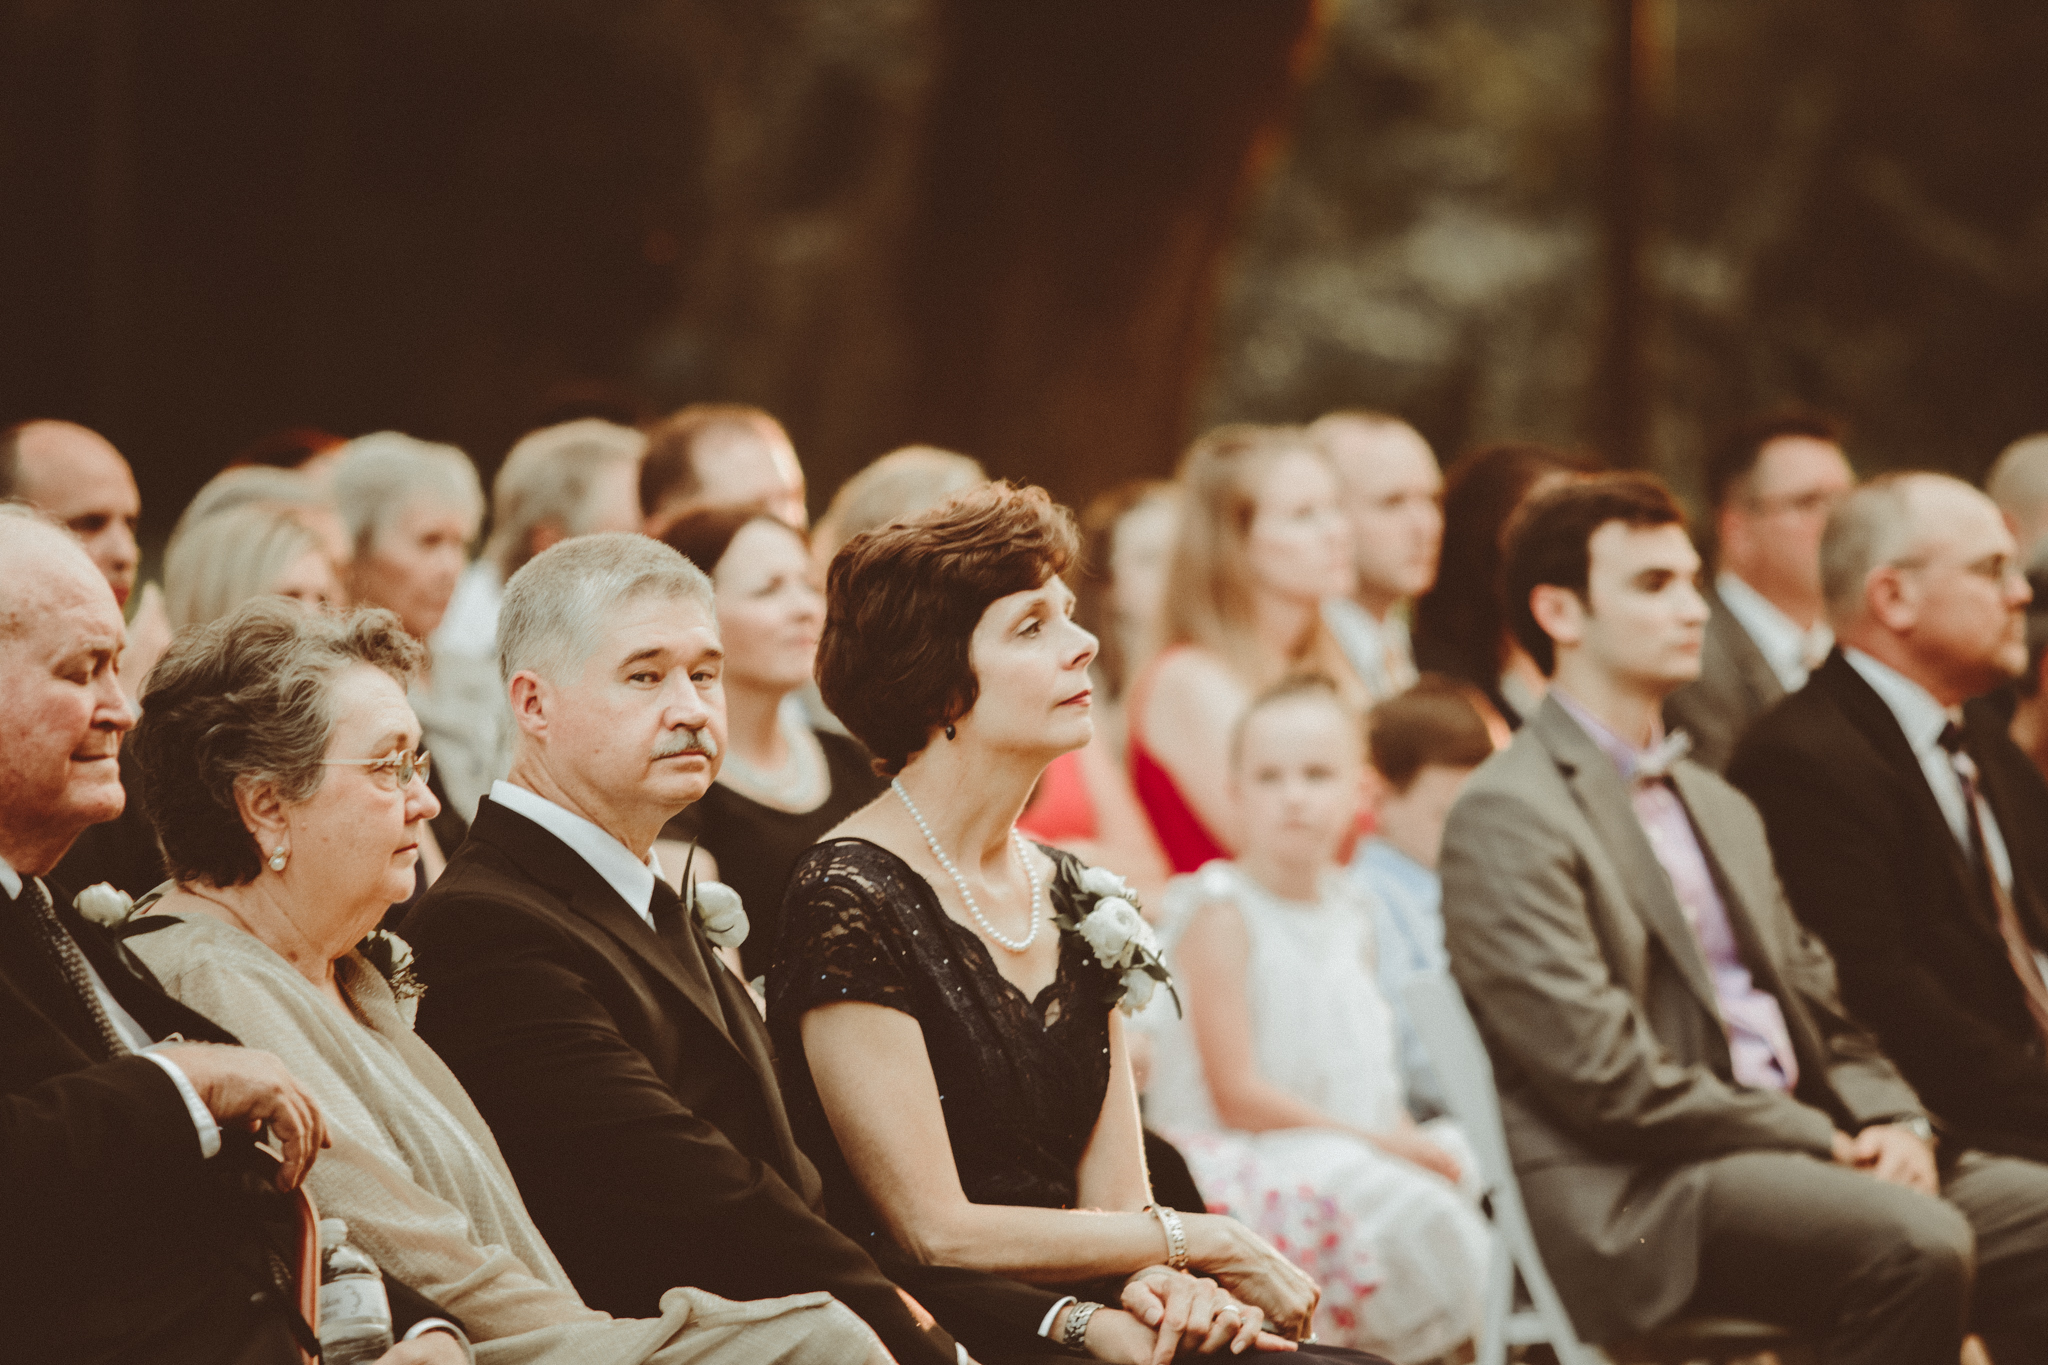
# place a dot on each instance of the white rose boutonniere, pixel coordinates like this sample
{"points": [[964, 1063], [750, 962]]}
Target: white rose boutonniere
{"points": [[392, 957], [1106, 917], [721, 912], [104, 903]]}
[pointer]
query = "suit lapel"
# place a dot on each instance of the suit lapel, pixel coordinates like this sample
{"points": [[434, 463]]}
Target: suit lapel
{"points": [[559, 868], [1745, 919], [1867, 713], [1603, 798], [1752, 669]]}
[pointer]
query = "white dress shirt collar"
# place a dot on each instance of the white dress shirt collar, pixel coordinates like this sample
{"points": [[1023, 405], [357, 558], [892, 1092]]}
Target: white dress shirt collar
{"points": [[610, 859], [1922, 718], [1789, 650]]}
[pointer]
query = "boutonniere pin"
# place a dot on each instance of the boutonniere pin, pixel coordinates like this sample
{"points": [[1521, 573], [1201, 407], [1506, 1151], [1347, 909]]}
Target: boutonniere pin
{"points": [[104, 903], [717, 907], [1107, 919]]}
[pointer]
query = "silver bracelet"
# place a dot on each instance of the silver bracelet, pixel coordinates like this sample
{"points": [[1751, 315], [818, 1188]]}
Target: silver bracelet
{"points": [[1176, 1235], [1075, 1333]]}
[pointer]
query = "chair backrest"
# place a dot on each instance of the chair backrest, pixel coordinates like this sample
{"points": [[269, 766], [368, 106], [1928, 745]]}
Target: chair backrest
{"points": [[1466, 1073], [306, 1271]]}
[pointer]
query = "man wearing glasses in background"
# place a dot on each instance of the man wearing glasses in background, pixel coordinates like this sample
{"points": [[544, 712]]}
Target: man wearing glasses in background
{"points": [[1772, 482], [1910, 832]]}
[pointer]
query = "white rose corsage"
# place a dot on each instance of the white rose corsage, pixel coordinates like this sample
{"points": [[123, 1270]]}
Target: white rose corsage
{"points": [[104, 903], [717, 907], [1105, 915], [392, 957]]}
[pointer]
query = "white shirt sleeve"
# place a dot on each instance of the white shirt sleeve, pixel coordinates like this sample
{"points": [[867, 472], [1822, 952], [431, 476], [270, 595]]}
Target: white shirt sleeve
{"points": [[1052, 1315], [202, 1117]]}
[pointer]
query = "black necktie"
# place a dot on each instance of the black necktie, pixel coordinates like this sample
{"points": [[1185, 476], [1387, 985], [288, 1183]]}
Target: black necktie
{"points": [[672, 923], [2018, 950], [70, 963]]}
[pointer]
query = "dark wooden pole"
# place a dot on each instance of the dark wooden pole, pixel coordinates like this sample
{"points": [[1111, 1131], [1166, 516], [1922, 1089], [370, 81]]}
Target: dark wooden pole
{"points": [[1621, 421]]}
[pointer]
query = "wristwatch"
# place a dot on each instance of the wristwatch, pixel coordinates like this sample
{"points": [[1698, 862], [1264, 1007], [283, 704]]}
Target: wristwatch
{"points": [[1919, 1127]]}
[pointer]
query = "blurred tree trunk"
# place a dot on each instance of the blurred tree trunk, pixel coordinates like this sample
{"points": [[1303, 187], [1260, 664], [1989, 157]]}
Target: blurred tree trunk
{"points": [[1083, 167]]}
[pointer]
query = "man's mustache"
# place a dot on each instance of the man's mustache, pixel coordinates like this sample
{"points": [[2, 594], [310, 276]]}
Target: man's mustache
{"points": [[687, 742]]}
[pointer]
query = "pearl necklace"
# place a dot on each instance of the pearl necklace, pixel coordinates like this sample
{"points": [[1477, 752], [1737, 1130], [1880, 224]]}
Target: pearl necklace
{"points": [[1014, 945]]}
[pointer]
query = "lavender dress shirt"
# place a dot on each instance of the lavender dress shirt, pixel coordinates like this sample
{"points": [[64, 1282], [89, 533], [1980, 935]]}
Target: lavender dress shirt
{"points": [[1759, 1044]]}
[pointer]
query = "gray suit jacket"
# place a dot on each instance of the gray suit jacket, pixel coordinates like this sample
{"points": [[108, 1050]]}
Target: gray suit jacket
{"points": [[1735, 686], [1597, 1008]]}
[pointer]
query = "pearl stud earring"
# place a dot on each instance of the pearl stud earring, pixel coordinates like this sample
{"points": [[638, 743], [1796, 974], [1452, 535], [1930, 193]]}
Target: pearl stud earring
{"points": [[277, 859]]}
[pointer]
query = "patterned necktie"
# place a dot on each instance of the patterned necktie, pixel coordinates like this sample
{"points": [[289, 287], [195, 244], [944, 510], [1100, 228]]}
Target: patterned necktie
{"points": [[2018, 950], [71, 964]]}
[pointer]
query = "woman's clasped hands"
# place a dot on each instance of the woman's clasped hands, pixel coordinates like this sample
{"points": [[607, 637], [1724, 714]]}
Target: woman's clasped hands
{"points": [[1194, 1314]]}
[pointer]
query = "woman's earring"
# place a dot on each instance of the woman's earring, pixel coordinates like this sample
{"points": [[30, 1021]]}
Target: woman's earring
{"points": [[950, 734], [277, 858]]}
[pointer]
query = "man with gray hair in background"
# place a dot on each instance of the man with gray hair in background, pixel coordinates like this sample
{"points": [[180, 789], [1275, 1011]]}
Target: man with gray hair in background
{"points": [[2018, 483], [571, 479], [622, 1067], [1910, 832]]}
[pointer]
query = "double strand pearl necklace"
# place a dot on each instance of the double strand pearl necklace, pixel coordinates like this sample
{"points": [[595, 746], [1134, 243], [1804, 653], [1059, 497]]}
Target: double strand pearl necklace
{"points": [[1014, 945]]}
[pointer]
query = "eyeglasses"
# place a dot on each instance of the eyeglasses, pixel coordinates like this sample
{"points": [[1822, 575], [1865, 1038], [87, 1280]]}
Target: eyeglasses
{"points": [[1817, 503], [394, 772]]}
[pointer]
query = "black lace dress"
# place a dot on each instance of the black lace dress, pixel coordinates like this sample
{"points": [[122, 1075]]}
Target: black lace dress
{"points": [[1021, 1081]]}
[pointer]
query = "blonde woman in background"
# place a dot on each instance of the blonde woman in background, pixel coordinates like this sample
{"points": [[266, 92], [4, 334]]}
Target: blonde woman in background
{"points": [[411, 508], [255, 550], [1262, 543], [900, 484]]}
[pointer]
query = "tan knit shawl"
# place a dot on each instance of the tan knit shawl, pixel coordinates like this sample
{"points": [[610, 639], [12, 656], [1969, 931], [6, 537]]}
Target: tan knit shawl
{"points": [[422, 1184]]}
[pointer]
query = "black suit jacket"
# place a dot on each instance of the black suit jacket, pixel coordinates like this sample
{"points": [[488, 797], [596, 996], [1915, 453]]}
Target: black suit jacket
{"points": [[637, 1102], [1872, 867], [118, 1240]]}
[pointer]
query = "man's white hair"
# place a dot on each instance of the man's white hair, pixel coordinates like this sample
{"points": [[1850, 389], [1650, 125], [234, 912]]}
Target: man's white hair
{"points": [[548, 479], [1875, 525], [21, 525], [380, 477], [557, 606]]}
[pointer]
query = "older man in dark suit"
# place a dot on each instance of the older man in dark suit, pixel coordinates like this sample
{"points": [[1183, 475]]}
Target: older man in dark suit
{"points": [[624, 1070], [129, 1230], [1911, 832], [1697, 1123]]}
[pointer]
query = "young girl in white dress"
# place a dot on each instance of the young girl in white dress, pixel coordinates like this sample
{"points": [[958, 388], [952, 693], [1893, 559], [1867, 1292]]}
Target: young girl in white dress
{"points": [[1282, 1085]]}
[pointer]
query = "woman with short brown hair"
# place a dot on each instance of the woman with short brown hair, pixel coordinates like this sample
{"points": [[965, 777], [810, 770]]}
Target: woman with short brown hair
{"points": [[944, 1000]]}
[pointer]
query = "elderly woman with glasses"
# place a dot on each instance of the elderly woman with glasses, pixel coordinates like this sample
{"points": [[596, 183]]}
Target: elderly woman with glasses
{"points": [[281, 768]]}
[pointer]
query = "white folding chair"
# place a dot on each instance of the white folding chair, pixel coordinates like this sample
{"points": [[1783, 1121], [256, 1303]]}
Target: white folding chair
{"points": [[1466, 1074]]}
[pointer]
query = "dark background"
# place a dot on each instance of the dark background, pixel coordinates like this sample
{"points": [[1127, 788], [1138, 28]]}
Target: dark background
{"points": [[1059, 235]]}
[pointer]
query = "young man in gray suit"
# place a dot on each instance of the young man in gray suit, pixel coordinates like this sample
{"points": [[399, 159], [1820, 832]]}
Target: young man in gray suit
{"points": [[1698, 1125]]}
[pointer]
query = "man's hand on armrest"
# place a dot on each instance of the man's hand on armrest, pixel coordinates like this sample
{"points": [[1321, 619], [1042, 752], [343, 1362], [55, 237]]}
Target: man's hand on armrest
{"points": [[242, 1087]]}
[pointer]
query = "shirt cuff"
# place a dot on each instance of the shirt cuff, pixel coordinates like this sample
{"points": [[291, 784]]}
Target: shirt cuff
{"points": [[202, 1117], [1052, 1315], [426, 1325]]}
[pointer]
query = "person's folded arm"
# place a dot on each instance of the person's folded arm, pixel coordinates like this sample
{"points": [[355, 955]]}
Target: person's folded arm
{"points": [[124, 1119], [1525, 954]]}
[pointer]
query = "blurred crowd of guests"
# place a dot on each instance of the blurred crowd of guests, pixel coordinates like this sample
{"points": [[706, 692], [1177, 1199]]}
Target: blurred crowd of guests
{"points": [[1742, 867]]}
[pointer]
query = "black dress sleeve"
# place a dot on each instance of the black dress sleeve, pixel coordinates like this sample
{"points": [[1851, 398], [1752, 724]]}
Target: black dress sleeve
{"points": [[841, 937]]}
